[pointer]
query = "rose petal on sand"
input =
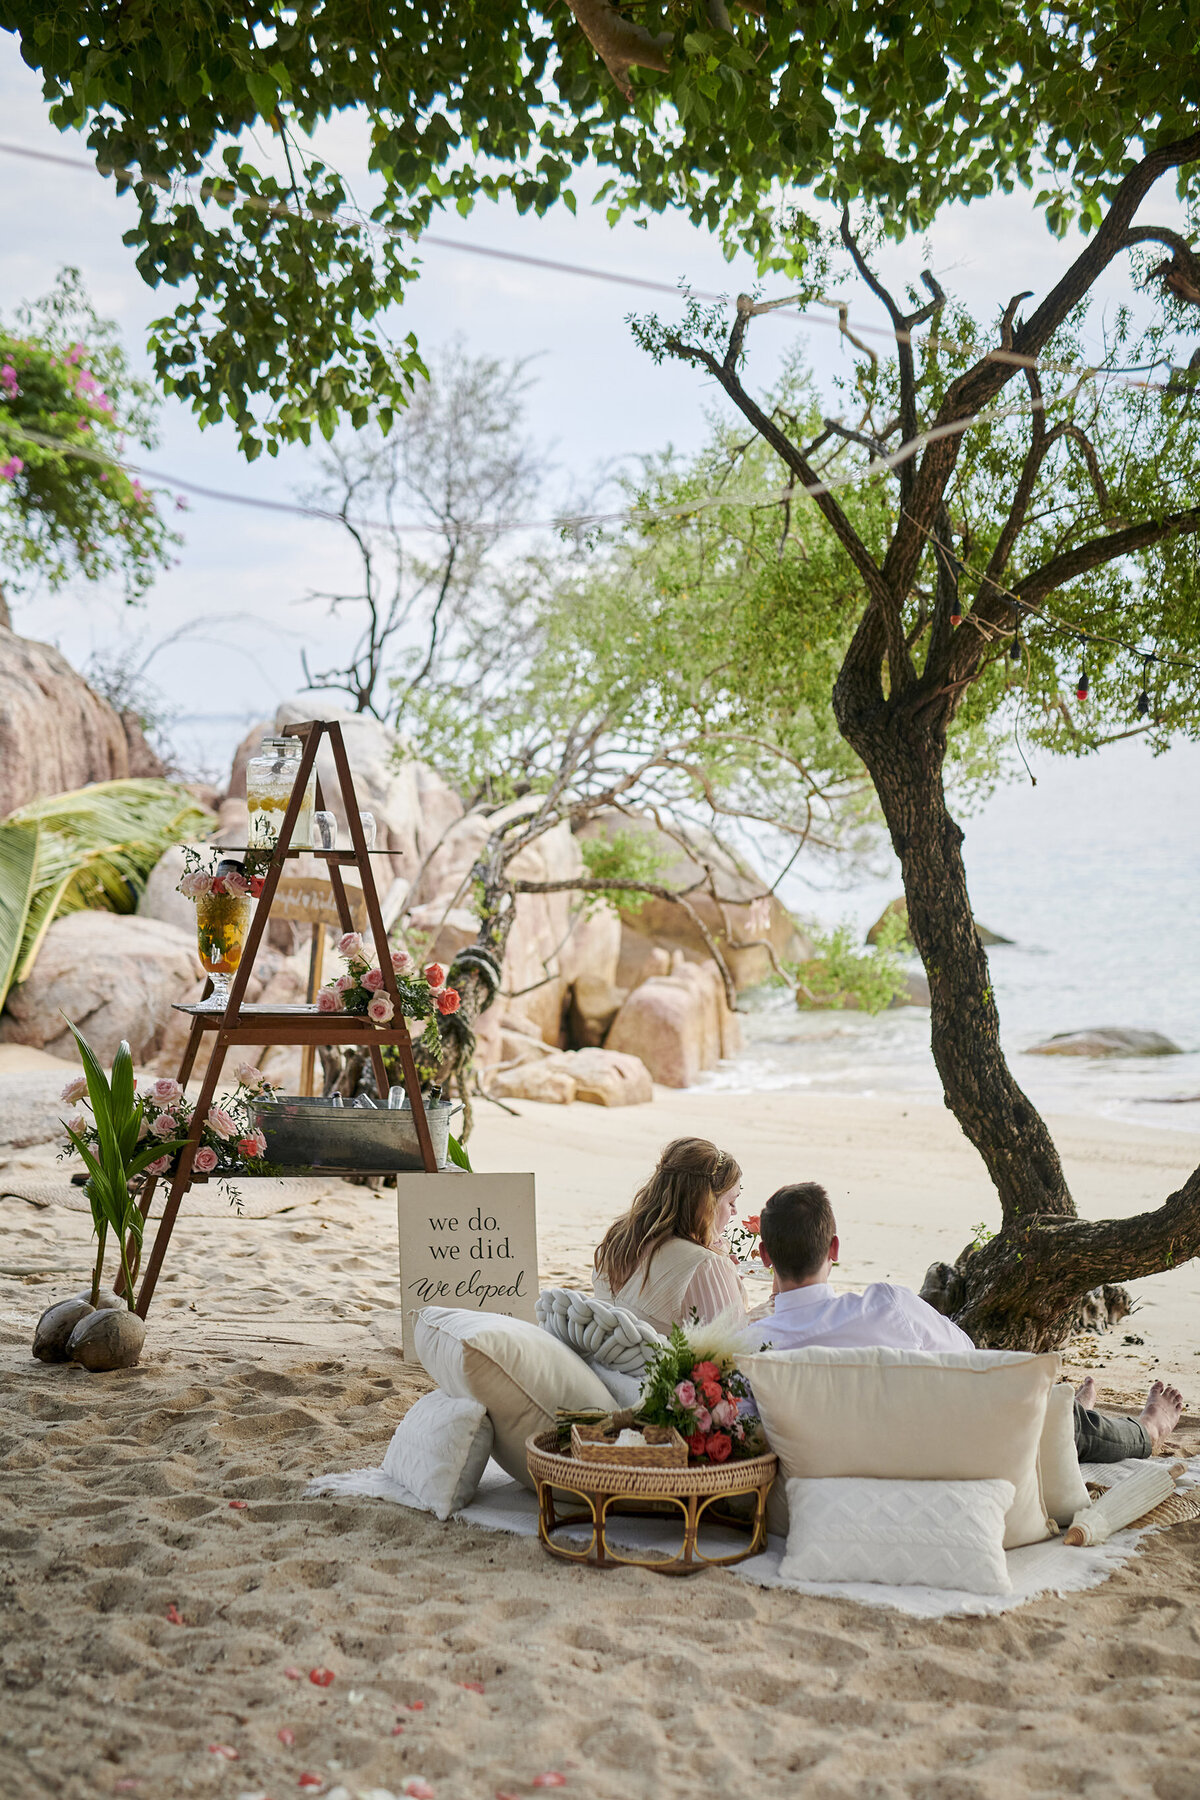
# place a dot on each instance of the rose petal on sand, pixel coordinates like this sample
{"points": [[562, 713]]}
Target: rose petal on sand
{"points": [[127, 1785], [309, 1780], [396, 1730], [225, 1750], [294, 1674], [321, 1677], [416, 1706], [174, 1617], [417, 1789], [551, 1778], [238, 1505], [472, 1687], [286, 1735]]}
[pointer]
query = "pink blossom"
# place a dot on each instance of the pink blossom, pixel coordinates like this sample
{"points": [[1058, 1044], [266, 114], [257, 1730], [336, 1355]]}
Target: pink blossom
{"points": [[10, 469], [205, 1160], [685, 1393], [78, 1124], [447, 1001], [165, 1091], [435, 975], [166, 1125], [350, 944], [159, 1167], [8, 380], [329, 1000], [249, 1147], [85, 382], [703, 1419], [236, 883], [74, 1090], [139, 492], [724, 1412], [402, 962], [220, 1123], [373, 980], [251, 1076], [84, 424], [380, 1009], [76, 353], [343, 983]]}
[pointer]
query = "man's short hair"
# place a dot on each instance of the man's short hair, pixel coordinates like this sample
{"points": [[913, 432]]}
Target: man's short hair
{"points": [[797, 1227]]}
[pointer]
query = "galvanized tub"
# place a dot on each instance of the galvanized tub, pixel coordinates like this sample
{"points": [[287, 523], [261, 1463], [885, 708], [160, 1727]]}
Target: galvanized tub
{"points": [[303, 1137]]}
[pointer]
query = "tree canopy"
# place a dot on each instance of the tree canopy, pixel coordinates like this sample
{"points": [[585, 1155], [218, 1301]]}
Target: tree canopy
{"points": [[727, 113]]}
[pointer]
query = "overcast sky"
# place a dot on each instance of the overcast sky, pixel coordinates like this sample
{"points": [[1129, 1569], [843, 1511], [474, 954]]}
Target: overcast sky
{"points": [[597, 397]]}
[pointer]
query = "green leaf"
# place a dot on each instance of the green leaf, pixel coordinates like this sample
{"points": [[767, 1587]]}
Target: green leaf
{"points": [[457, 1154], [18, 881]]}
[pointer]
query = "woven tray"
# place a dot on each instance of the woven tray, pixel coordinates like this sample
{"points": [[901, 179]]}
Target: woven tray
{"points": [[546, 1463], [663, 1449]]}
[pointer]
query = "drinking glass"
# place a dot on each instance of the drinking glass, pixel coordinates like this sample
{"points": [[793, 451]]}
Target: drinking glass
{"points": [[324, 831], [367, 821], [222, 921]]}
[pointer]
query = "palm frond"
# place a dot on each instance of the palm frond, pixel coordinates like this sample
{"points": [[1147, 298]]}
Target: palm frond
{"points": [[95, 847]]}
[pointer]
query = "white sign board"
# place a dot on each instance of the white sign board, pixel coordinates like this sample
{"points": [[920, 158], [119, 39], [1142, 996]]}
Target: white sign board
{"points": [[467, 1241]]}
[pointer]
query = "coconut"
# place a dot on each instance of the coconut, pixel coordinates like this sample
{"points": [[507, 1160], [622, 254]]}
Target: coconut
{"points": [[109, 1339], [55, 1326]]}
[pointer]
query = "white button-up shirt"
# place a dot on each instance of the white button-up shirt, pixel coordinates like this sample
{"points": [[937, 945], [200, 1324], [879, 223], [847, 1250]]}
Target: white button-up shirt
{"points": [[894, 1317]]}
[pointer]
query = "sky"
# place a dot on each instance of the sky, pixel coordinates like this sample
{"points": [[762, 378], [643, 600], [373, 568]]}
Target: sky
{"points": [[597, 399]]}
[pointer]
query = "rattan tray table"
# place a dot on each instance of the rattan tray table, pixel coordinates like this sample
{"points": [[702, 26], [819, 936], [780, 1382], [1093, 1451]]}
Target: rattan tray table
{"points": [[702, 1494]]}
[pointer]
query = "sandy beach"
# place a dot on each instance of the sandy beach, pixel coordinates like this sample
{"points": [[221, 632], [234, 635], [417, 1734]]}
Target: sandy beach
{"points": [[272, 1358]]}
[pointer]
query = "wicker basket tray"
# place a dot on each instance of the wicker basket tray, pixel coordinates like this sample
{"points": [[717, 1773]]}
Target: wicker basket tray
{"points": [[548, 1463], [663, 1449]]}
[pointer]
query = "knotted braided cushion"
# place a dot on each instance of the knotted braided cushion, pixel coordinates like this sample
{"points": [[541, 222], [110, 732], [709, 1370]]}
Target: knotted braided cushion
{"points": [[605, 1334]]}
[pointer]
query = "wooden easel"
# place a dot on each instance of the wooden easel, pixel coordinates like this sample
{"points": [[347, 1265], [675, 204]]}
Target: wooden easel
{"points": [[302, 1025]]}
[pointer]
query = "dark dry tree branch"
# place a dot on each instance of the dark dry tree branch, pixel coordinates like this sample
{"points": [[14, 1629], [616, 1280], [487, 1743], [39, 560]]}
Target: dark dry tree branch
{"points": [[1179, 273]]}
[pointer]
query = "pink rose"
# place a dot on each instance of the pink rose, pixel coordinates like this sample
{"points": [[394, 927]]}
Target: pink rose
{"points": [[685, 1393], [435, 975], [712, 1391], [78, 1124], [74, 1090], [402, 962], [201, 884], [373, 980], [249, 1146], [703, 1419], [220, 1123], [724, 1413], [205, 1160], [380, 1009], [236, 882], [350, 944], [697, 1443], [160, 1167], [720, 1447], [250, 1076], [166, 1125], [447, 1001], [165, 1091], [343, 982], [329, 1000]]}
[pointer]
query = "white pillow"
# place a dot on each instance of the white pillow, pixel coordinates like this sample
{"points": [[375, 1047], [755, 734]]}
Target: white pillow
{"points": [[439, 1451], [624, 1390], [910, 1415], [1063, 1487], [939, 1534], [598, 1330], [516, 1370]]}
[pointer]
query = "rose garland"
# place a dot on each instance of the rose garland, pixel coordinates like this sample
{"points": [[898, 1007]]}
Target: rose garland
{"points": [[230, 1141], [360, 990]]}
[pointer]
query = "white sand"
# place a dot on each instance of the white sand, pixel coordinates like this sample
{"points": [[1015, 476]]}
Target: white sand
{"points": [[270, 1359]]}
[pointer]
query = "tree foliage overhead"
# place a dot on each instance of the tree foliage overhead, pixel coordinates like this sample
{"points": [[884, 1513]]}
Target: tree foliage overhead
{"points": [[207, 112]]}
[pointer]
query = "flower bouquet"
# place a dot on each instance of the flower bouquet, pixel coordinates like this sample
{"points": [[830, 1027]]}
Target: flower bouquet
{"points": [[744, 1240], [360, 990], [693, 1383], [230, 1141], [222, 898]]}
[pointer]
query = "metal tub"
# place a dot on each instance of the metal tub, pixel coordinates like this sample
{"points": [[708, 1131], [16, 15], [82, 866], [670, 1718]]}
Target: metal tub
{"points": [[303, 1138]]}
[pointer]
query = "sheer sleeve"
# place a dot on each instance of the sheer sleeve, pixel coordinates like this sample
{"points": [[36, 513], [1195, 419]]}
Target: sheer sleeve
{"points": [[715, 1287]]}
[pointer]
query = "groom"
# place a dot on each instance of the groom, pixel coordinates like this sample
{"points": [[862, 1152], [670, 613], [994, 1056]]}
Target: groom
{"points": [[799, 1243]]}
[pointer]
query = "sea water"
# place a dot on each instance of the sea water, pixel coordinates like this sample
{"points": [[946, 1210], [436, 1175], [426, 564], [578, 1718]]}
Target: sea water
{"points": [[1095, 875]]}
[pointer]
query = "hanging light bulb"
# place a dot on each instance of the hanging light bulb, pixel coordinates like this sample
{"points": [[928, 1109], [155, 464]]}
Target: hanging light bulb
{"points": [[1015, 647], [1143, 699], [1081, 686], [955, 613]]}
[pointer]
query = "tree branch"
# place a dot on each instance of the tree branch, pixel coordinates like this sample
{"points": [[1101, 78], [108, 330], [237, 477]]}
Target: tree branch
{"points": [[621, 44], [1097, 551]]}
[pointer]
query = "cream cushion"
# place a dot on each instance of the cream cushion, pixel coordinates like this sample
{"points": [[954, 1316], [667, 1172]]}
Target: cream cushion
{"points": [[910, 1415], [938, 1534], [516, 1370], [1063, 1487], [439, 1451]]}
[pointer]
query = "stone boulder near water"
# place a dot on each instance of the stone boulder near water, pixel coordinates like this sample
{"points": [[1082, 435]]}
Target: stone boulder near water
{"points": [[1107, 1040], [114, 975], [55, 733], [677, 1024]]}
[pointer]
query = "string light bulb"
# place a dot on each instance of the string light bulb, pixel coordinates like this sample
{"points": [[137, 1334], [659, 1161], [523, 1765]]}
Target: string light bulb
{"points": [[1143, 699]]}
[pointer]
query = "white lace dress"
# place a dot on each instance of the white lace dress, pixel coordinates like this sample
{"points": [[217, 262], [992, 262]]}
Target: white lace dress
{"points": [[680, 1277]]}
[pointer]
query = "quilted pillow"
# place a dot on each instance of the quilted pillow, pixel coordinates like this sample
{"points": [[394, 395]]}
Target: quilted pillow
{"points": [[607, 1335], [939, 1534], [518, 1372], [439, 1450]]}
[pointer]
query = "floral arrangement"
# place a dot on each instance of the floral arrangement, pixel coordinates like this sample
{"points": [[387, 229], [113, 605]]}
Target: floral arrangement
{"points": [[744, 1239], [360, 990], [197, 882], [693, 1383], [230, 1141]]}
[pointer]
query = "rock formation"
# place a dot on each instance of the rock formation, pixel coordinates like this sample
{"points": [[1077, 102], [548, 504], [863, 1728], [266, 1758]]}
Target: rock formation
{"points": [[55, 733], [1107, 1040]]}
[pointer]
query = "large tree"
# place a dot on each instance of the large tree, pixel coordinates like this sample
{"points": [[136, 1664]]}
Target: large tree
{"points": [[206, 112]]}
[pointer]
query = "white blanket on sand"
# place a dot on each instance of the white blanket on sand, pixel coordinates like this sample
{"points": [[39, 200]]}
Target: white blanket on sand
{"points": [[501, 1504]]}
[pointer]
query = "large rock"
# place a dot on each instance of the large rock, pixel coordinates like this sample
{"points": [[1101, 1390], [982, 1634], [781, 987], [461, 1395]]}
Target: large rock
{"points": [[898, 909], [678, 1024], [114, 975], [745, 912], [1107, 1040], [604, 1077], [534, 1081], [55, 733], [594, 1005]]}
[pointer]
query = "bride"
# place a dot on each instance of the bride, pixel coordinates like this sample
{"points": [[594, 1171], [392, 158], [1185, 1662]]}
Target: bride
{"points": [[664, 1259]]}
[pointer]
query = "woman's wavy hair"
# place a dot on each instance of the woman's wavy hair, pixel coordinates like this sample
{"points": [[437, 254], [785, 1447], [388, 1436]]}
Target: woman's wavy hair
{"points": [[679, 1200]]}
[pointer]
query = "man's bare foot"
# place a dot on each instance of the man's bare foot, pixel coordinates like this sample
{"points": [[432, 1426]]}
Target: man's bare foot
{"points": [[1162, 1411], [1086, 1392]]}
